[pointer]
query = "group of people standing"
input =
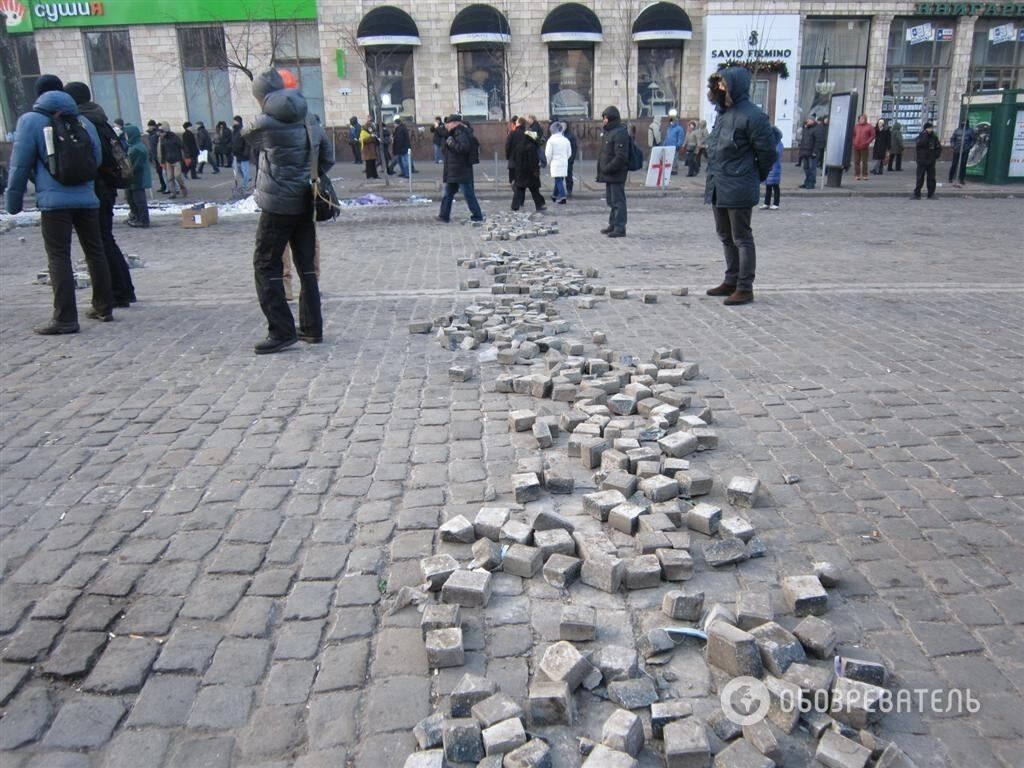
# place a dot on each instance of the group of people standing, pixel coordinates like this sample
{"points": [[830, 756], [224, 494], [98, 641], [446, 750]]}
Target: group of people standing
{"points": [[380, 148], [882, 141], [177, 157]]}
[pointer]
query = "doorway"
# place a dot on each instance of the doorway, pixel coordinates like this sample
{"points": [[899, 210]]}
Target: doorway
{"points": [[762, 92]]}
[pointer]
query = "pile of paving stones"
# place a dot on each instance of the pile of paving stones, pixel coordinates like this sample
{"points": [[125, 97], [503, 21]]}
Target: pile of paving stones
{"points": [[624, 421], [517, 225]]}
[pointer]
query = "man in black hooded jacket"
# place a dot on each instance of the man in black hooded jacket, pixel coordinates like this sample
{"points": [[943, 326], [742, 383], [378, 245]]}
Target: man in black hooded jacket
{"points": [[283, 135], [741, 152], [612, 170]]}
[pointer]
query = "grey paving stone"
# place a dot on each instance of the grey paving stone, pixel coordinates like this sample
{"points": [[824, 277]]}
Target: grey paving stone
{"points": [[26, 720], [239, 661], [165, 701], [189, 649], [309, 600], [150, 616], [12, 677], [204, 753], [332, 719], [273, 731], [398, 703], [85, 721], [31, 641], [221, 707], [343, 666], [214, 597], [75, 654], [134, 748], [289, 683], [123, 666]]}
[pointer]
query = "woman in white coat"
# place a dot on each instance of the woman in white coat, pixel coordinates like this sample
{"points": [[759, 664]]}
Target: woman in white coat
{"points": [[557, 151]]}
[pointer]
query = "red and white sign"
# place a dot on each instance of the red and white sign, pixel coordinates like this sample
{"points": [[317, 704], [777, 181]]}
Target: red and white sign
{"points": [[659, 169]]}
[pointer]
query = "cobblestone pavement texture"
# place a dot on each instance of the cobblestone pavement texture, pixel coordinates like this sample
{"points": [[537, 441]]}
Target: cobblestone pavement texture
{"points": [[195, 540]]}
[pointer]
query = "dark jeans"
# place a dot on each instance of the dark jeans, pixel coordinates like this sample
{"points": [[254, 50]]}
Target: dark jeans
{"points": [[925, 171], [213, 163], [733, 228], [769, 191], [223, 158], [519, 196], [357, 153], [692, 162], [615, 197], [56, 227], [810, 165], [958, 168], [467, 192], [160, 175], [120, 276], [897, 159], [371, 169], [273, 233], [568, 178], [138, 205]]}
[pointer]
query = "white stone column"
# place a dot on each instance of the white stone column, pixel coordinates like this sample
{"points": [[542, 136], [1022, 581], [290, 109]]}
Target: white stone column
{"points": [[158, 77], [878, 48], [959, 76], [61, 52]]}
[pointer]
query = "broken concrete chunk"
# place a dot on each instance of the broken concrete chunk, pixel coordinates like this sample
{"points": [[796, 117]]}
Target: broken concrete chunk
{"points": [[742, 491], [436, 569], [578, 623], [681, 606], [804, 595], [562, 571], [606, 757], [632, 694], [623, 731], [835, 751], [470, 589], [462, 740], [458, 529], [686, 744], [445, 648], [725, 552], [704, 518], [550, 703], [778, 647], [731, 649]]}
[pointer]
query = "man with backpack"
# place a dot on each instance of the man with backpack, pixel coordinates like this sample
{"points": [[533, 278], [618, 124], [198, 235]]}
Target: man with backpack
{"points": [[115, 172], [461, 151], [612, 170], [60, 154]]}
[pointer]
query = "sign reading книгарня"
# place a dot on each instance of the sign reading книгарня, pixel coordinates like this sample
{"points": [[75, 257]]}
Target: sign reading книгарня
{"points": [[969, 9]]}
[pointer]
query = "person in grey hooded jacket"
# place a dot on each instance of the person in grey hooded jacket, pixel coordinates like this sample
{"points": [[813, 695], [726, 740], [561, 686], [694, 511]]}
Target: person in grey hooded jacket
{"points": [[741, 153], [284, 136]]}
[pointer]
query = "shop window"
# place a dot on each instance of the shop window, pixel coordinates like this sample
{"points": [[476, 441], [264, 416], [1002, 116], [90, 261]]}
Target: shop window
{"points": [[204, 64], [997, 56], [659, 72], [27, 61], [112, 74], [917, 73], [390, 75], [833, 59], [297, 49], [571, 82], [482, 83]]}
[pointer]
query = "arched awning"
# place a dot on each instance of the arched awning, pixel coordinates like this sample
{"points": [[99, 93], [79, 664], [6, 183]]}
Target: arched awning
{"points": [[480, 24], [571, 23], [388, 26], [662, 21]]}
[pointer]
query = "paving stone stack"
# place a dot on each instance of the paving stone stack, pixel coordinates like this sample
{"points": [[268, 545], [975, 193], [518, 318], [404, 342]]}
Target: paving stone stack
{"points": [[517, 226]]}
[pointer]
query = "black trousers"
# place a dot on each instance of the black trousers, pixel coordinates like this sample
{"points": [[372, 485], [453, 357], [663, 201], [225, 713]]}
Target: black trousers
{"points": [[160, 175], [897, 160], [139, 207], [568, 178], [615, 197], [120, 276], [56, 227], [958, 168], [519, 196], [733, 228], [769, 191], [274, 231], [923, 172]]}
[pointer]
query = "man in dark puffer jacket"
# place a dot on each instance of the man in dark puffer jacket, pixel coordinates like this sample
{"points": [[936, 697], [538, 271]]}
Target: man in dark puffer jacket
{"points": [[284, 196], [741, 152]]}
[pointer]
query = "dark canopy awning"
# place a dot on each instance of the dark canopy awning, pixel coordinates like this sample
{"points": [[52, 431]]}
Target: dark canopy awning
{"points": [[480, 24], [662, 21], [387, 25], [570, 23]]}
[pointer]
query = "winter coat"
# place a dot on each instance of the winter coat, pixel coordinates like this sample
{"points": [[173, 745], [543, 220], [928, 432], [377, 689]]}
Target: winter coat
{"points": [[458, 143], [203, 140], [28, 160], [896, 139], [94, 113], [401, 143], [863, 135], [741, 148], [558, 151], [152, 137], [138, 154], [690, 142], [775, 174], [821, 139], [883, 140], [188, 140], [675, 135], [368, 143], [224, 140], [963, 136], [239, 145], [281, 136], [169, 149], [654, 133], [928, 148], [613, 159], [809, 141], [438, 135], [525, 160]]}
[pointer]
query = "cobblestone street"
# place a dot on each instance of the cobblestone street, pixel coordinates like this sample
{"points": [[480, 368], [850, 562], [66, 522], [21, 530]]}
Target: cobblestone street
{"points": [[196, 543]]}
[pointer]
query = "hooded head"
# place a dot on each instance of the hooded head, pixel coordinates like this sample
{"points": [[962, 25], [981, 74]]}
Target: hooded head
{"points": [[132, 133], [611, 114], [737, 87], [79, 92], [266, 84], [277, 101], [165, 127], [557, 127], [47, 83]]}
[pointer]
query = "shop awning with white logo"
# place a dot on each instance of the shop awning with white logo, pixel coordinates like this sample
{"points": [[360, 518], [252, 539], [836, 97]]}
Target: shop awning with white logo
{"points": [[480, 24], [387, 26], [571, 23], [662, 21]]}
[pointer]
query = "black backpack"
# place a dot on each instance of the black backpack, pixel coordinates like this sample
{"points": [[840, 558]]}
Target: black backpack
{"points": [[474, 150], [635, 157], [72, 162], [115, 167]]}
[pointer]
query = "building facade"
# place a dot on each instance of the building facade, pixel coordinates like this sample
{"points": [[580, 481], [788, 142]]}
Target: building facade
{"points": [[190, 59]]}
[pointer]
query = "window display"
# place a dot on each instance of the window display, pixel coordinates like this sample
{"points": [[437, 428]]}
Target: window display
{"points": [[833, 59], [389, 73], [659, 72], [917, 73], [570, 80], [997, 57], [482, 83]]}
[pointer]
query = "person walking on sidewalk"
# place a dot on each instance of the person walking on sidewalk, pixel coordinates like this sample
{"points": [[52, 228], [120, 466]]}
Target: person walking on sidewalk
{"points": [[355, 130], [961, 143], [883, 142], [461, 153], [401, 144], [809, 153], [285, 136], [741, 152], [152, 137], [142, 180], [62, 207], [240, 151], [675, 137], [223, 144], [437, 139], [558, 151], [205, 144], [613, 169], [690, 152], [169, 153], [191, 154], [523, 147], [895, 147], [773, 183], [574, 151], [928, 150], [863, 135]]}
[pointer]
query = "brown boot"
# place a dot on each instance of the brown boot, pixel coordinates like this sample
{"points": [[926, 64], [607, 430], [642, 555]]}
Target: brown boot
{"points": [[739, 297], [723, 290]]}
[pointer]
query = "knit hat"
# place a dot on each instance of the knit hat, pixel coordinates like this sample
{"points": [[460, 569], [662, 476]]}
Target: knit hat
{"points": [[79, 92], [47, 83], [928, 125]]}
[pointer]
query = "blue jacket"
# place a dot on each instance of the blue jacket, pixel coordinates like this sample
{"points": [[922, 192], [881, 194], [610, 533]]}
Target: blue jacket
{"points": [[138, 154], [775, 174], [741, 147], [28, 160], [675, 135]]}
